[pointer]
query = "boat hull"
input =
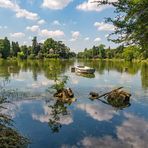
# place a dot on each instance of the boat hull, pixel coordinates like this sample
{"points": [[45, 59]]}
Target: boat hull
{"points": [[85, 71]]}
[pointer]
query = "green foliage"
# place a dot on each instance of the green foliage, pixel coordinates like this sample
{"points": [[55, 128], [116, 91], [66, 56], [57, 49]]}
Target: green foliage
{"points": [[31, 56], [131, 22], [24, 49], [21, 55], [60, 83], [128, 53], [15, 49], [94, 52], [49, 49], [4, 47], [52, 55], [131, 53], [56, 47]]}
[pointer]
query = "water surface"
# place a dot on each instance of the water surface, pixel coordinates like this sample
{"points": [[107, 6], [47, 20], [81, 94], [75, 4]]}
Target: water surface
{"points": [[84, 123]]}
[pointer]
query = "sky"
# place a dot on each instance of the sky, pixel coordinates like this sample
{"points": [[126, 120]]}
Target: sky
{"points": [[78, 23]]}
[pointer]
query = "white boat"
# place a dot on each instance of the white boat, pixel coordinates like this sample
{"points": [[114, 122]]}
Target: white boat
{"points": [[84, 69]]}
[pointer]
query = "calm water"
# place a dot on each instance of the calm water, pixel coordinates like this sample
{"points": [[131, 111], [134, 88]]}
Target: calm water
{"points": [[84, 123]]}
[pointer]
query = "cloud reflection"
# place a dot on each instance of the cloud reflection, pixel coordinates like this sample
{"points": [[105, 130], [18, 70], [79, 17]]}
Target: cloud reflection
{"points": [[132, 133], [46, 116], [98, 112]]}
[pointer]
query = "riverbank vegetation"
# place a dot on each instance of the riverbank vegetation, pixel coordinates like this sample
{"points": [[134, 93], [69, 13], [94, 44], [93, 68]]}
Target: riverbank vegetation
{"points": [[130, 32], [127, 53], [49, 49]]}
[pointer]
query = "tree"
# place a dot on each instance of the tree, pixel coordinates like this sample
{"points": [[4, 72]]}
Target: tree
{"points": [[24, 49], [35, 46], [101, 48], [15, 48], [5, 47], [1, 47], [131, 25]]}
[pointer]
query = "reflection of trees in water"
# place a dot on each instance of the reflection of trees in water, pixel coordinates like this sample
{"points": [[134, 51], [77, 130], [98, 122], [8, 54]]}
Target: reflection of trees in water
{"points": [[53, 68], [50, 68], [57, 110], [8, 67], [119, 66], [144, 75], [9, 137]]}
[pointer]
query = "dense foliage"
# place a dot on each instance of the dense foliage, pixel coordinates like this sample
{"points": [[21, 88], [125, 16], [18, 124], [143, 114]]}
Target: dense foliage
{"points": [[131, 25], [49, 49], [128, 53]]}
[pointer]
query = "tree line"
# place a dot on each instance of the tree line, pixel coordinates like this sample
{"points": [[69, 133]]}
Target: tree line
{"points": [[128, 53], [49, 49]]}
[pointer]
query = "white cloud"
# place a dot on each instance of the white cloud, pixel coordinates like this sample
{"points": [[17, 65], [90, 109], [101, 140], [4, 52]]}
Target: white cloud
{"points": [[107, 35], [41, 22], [104, 26], [87, 39], [20, 13], [56, 33], [90, 5], [26, 14], [97, 39], [104, 142], [56, 22], [56, 4], [17, 35], [75, 35], [34, 28], [42, 41], [63, 119], [134, 131], [98, 112]]}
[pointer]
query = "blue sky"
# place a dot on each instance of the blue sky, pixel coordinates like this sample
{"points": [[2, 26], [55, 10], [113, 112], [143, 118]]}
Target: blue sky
{"points": [[78, 23]]}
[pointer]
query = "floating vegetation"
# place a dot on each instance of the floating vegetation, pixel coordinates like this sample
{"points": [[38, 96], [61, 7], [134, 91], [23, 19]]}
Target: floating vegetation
{"points": [[116, 98], [62, 93]]}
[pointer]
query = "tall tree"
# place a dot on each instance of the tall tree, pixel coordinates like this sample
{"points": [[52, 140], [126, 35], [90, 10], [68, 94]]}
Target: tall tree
{"points": [[35, 46], [24, 49], [5, 47], [131, 25], [15, 48]]}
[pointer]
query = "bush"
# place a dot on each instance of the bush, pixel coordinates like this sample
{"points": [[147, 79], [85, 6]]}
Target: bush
{"points": [[52, 56], [40, 55], [32, 56], [21, 55]]}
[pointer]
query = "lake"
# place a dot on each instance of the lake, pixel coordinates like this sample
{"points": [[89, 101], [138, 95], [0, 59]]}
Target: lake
{"points": [[83, 123]]}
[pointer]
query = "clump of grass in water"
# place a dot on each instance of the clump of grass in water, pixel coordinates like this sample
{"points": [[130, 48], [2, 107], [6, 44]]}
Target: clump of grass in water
{"points": [[9, 137], [60, 83]]}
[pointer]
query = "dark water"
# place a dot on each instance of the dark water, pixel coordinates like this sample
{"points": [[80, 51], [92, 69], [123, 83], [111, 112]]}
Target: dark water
{"points": [[49, 123]]}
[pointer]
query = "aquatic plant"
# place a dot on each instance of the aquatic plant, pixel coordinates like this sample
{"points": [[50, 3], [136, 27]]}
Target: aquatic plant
{"points": [[60, 83]]}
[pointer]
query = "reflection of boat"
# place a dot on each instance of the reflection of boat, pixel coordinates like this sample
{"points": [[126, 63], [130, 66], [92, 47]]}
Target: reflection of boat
{"points": [[84, 69], [86, 75]]}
